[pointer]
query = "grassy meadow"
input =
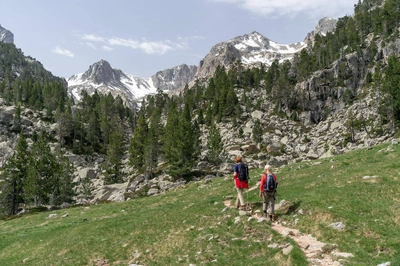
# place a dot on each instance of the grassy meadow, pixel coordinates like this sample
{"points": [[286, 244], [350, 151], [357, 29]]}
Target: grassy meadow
{"points": [[188, 225]]}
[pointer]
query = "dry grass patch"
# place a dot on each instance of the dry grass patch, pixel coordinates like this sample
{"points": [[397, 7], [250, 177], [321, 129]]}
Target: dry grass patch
{"points": [[170, 244], [63, 252], [279, 259], [370, 180]]}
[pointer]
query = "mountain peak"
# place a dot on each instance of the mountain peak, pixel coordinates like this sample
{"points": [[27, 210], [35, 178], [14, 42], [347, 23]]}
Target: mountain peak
{"points": [[100, 73], [324, 26], [251, 49], [6, 35]]}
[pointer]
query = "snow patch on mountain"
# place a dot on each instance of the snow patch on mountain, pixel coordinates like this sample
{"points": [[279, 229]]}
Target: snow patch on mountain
{"points": [[102, 78], [256, 48]]}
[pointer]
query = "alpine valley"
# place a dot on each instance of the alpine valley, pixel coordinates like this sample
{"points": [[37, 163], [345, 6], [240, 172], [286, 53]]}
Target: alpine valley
{"points": [[106, 135]]}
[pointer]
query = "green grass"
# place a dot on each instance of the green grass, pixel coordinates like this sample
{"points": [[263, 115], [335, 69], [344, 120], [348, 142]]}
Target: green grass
{"points": [[177, 228], [187, 226], [335, 191]]}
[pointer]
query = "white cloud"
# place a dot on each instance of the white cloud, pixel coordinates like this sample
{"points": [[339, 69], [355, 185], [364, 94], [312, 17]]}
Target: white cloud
{"points": [[92, 37], [91, 45], [107, 48], [149, 47], [64, 52], [313, 8]]}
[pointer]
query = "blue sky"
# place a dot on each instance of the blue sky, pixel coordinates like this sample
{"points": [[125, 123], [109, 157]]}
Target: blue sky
{"points": [[141, 37]]}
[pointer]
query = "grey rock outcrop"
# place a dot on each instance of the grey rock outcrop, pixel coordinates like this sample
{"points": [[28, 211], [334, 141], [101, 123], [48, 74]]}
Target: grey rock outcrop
{"points": [[324, 26], [6, 35], [174, 78]]}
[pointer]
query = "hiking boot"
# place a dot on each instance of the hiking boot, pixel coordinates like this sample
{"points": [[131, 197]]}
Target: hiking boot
{"points": [[264, 215], [271, 218]]}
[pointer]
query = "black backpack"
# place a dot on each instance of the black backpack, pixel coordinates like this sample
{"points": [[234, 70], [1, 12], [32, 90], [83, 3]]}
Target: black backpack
{"points": [[243, 172], [270, 183]]}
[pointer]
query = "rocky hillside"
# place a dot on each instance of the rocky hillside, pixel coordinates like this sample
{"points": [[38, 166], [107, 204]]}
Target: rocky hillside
{"points": [[304, 113]]}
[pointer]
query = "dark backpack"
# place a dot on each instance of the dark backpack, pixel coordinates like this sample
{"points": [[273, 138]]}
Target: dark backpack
{"points": [[270, 183], [243, 172]]}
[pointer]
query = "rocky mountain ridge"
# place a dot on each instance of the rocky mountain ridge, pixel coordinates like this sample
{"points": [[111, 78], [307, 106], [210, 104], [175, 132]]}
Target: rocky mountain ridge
{"points": [[251, 49], [102, 77]]}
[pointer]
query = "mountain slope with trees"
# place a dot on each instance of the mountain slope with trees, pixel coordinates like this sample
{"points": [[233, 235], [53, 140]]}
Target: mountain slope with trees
{"points": [[339, 94]]}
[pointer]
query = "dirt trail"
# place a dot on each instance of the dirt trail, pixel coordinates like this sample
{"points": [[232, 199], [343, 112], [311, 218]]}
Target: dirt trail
{"points": [[309, 245]]}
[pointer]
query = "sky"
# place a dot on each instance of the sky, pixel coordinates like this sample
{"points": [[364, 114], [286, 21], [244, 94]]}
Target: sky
{"points": [[142, 37]]}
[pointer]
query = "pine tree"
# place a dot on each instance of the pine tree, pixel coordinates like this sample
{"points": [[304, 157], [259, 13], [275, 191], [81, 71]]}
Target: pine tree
{"points": [[78, 132], [64, 124], [115, 152], [181, 142], [200, 117], [214, 145], [153, 145], [392, 85], [257, 131], [63, 190], [15, 173], [42, 178], [138, 143], [108, 117], [171, 136], [92, 130]]}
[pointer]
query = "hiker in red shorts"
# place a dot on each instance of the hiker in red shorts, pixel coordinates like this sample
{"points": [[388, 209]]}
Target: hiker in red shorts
{"points": [[241, 185]]}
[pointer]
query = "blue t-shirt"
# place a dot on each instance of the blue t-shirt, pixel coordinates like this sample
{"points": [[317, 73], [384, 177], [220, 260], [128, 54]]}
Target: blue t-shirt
{"points": [[236, 168]]}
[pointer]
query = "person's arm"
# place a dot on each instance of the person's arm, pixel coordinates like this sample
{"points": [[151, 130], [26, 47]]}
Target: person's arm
{"points": [[262, 184], [235, 171]]}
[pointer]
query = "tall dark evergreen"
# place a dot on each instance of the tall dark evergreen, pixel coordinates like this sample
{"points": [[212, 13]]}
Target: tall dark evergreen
{"points": [[171, 138], [138, 143], [14, 174], [64, 188], [115, 152], [181, 142], [392, 85], [108, 116], [43, 173], [153, 142], [214, 145]]}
